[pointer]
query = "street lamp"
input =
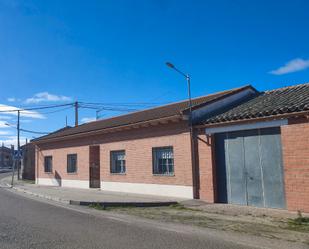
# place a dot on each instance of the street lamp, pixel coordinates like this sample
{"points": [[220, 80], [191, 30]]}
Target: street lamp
{"points": [[187, 76]]}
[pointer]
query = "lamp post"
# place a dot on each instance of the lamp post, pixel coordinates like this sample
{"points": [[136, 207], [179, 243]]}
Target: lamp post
{"points": [[188, 79], [187, 76]]}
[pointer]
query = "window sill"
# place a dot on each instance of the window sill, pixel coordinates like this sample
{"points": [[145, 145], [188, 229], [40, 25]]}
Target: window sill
{"points": [[167, 175], [48, 173], [73, 173], [122, 174]]}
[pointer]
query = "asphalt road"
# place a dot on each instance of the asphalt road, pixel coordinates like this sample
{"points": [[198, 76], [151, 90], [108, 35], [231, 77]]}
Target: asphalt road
{"points": [[27, 223]]}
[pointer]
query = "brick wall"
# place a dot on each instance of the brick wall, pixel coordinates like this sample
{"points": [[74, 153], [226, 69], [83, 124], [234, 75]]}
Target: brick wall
{"points": [[295, 146], [137, 143], [206, 168]]}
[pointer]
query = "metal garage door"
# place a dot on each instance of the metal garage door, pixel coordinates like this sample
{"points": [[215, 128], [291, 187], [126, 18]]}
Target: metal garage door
{"points": [[249, 168]]}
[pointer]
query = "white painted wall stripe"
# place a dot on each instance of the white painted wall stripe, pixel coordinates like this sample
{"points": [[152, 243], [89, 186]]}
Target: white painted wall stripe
{"points": [[75, 184], [136, 188], [149, 189], [62, 183]]}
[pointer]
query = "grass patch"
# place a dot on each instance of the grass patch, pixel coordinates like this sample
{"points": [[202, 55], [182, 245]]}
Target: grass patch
{"points": [[299, 224], [97, 206], [182, 208]]}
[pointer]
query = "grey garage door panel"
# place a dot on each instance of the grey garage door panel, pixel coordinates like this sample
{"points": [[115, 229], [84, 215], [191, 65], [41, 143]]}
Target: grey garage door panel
{"points": [[253, 169], [249, 168], [271, 161], [235, 169]]}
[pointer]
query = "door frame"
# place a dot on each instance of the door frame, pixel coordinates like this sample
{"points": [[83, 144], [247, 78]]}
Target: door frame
{"points": [[91, 147]]}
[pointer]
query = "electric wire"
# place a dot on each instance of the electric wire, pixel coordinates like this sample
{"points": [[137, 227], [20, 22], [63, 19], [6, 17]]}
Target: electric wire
{"points": [[25, 130]]}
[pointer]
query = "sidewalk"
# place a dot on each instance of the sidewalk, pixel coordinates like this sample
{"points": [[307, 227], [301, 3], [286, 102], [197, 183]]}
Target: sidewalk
{"points": [[87, 196], [239, 210]]}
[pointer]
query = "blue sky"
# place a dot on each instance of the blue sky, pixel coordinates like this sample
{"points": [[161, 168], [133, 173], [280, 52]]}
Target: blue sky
{"points": [[54, 52]]}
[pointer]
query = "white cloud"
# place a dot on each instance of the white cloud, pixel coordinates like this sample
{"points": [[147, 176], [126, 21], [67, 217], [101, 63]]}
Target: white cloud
{"points": [[292, 66], [87, 120], [5, 133], [12, 110], [46, 97], [11, 99], [5, 117]]}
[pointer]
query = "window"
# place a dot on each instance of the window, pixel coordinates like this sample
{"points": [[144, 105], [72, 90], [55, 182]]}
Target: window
{"points": [[163, 161], [118, 162], [48, 164], [72, 163]]}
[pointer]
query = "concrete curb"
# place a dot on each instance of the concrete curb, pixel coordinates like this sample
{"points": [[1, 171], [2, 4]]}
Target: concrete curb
{"points": [[87, 203], [21, 190], [52, 198], [124, 204]]}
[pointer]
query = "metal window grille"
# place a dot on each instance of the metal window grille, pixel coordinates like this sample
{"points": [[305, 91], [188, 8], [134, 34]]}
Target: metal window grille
{"points": [[48, 164], [72, 163], [118, 162], [163, 161]]}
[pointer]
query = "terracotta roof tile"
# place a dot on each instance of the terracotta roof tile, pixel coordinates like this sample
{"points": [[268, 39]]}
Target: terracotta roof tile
{"points": [[165, 111], [269, 103]]}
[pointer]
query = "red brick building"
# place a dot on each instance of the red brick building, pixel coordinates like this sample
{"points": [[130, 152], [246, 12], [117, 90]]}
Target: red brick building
{"points": [[248, 148]]}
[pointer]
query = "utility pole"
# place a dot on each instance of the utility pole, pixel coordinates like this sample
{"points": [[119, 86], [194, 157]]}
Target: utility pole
{"points": [[76, 113], [13, 164], [18, 144], [16, 157]]}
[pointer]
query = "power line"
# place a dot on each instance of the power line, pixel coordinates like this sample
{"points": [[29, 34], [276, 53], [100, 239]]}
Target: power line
{"points": [[109, 109], [47, 107], [60, 110], [36, 108], [89, 105], [24, 130], [35, 132], [42, 105], [123, 104]]}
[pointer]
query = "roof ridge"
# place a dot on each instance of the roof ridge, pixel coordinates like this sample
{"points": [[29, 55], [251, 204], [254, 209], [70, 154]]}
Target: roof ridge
{"points": [[169, 104], [287, 87]]}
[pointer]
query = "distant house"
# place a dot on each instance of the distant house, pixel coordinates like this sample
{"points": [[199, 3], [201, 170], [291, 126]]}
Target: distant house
{"points": [[248, 148], [28, 153], [6, 157]]}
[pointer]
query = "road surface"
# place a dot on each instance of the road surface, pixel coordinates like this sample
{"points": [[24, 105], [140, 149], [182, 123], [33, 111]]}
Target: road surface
{"points": [[28, 223]]}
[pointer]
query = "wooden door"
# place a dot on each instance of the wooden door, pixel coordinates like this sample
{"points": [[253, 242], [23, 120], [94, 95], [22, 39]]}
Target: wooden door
{"points": [[94, 166]]}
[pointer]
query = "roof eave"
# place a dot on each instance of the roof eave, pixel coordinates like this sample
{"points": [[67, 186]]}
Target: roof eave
{"points": [[154, 122], [251, 120]]}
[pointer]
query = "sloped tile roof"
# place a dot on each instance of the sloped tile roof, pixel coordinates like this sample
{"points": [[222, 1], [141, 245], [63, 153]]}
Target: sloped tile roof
{"points": [[269, 103], [165, 111]]}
